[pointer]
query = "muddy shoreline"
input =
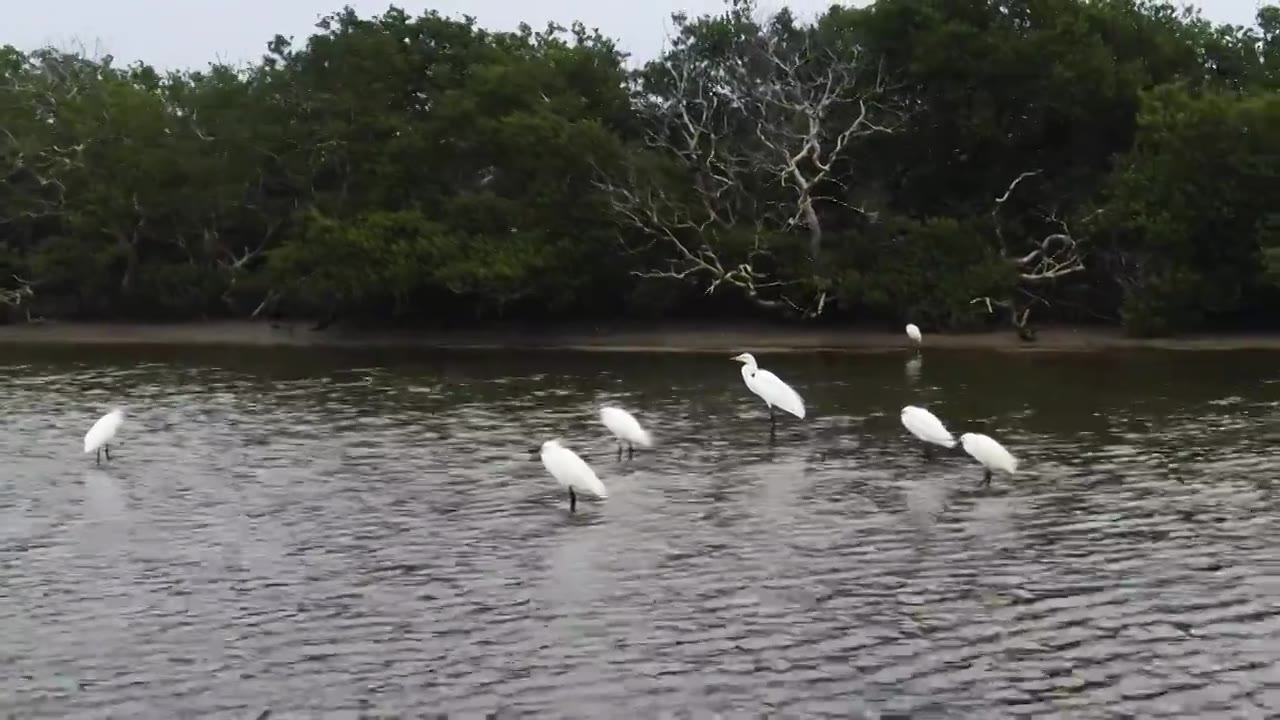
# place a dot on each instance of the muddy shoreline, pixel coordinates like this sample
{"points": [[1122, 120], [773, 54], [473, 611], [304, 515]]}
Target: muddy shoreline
{"points": [[684, 338]]}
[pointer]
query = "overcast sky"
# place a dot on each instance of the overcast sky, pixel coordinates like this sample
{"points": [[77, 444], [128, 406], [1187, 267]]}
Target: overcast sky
{"points": [[191, 33]]}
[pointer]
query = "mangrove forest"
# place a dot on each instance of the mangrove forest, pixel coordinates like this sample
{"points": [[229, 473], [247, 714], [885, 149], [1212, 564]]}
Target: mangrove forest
{"points": [[960, 164]]}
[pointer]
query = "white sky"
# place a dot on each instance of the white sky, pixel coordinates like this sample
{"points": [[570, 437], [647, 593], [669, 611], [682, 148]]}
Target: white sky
{"points": [[191, 33]]}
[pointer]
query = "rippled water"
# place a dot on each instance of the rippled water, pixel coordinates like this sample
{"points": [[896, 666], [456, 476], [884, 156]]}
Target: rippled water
{"points": [[348, 535]]}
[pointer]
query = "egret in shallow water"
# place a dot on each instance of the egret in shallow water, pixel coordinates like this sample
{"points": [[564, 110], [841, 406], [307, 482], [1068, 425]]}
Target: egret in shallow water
{"points": [[990, 453], [927, 427], [571, 472], [626, 429], [102, 433], [771, 389], [913, 332]]}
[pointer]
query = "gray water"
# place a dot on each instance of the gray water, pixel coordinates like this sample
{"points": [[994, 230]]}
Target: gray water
{"points": [[341, 535]]}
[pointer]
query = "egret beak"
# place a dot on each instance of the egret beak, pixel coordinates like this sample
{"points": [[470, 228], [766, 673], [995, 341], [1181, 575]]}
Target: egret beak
{"points": [[535, 453], [738, 358]]}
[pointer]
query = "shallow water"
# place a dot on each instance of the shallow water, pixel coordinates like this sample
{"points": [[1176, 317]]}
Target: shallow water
{"points": [[328, 534]]}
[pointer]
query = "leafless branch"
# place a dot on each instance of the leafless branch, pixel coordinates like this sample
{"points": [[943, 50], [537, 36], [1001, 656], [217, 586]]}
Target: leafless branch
{"points": [[756, 135], [19, 296], [1056, 255], [234, 261], [33, 167], [267, 301], [652, 214], [1009, 190], [806, 111]]}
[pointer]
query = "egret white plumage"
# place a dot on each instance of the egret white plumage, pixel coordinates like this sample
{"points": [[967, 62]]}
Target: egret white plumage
{"points": [[927, 427], [571, 472], [913, 332], [102, 433], [771, 389], [626, 429], [990, 453]]}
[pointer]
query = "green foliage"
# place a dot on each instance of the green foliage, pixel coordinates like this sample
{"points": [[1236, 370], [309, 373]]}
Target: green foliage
{"points": [[899, 161], [1195, 228], [926, 271]]}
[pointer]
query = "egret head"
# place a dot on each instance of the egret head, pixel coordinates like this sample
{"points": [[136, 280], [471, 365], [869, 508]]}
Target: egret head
{"points": [[965, 439], [537, 452], [745, 358]]}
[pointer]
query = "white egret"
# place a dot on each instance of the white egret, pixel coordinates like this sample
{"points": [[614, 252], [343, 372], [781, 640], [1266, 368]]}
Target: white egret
{"points": [[990, 453], [571, 472], [927, 427], [913, 332], [626, 429], [102, 433], [771, 389]]}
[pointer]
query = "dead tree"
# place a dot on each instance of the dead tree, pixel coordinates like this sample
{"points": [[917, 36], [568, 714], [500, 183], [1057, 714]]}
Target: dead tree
{"points": [[33, 167], [19, 297], [753, 135], [36, 166], [1037, 262]]}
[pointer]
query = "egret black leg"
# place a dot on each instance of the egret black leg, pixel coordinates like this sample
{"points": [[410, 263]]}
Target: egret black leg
{"points": [[573, 501], [928, 454], [631, 450], [619, 450], [108, 449], [986, 478], [98, 457]]}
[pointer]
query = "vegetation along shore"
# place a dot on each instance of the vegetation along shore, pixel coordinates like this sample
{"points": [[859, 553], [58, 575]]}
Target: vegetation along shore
{"points": [[686, 338], [964, 165]]}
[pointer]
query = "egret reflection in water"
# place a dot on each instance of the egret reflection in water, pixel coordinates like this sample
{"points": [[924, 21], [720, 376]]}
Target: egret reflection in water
{"points": [[913, 367]]}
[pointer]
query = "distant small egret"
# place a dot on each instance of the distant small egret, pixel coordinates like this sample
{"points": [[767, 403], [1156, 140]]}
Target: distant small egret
{"points": [[771, 389], [102, 433], [913, 332], [626, 429], [927, 427], [990, 453], [570, 471]]}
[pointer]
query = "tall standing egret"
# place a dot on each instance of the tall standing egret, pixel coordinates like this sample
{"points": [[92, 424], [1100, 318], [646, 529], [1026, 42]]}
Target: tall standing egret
{"points": [[571, 472], [990, 453], [771, 389], [626, 429], [927, 427], [102, 433], [913, 332]]}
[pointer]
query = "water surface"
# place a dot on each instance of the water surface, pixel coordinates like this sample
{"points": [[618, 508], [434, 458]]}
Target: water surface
{"points": [[333, 534]]}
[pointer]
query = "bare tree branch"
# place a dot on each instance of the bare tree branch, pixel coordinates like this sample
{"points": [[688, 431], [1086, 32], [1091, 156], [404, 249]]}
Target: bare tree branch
{"points": [[33, 167], [267, 301], [755, 133], [18, 297], [796, 114], [1056, 255]]}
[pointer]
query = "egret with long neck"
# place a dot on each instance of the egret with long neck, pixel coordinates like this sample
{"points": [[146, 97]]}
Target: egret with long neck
{"points": [[771, 389]]}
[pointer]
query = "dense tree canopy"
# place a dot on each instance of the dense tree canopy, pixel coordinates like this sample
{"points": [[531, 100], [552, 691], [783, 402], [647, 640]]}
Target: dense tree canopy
{"points": [[957, 163]]}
